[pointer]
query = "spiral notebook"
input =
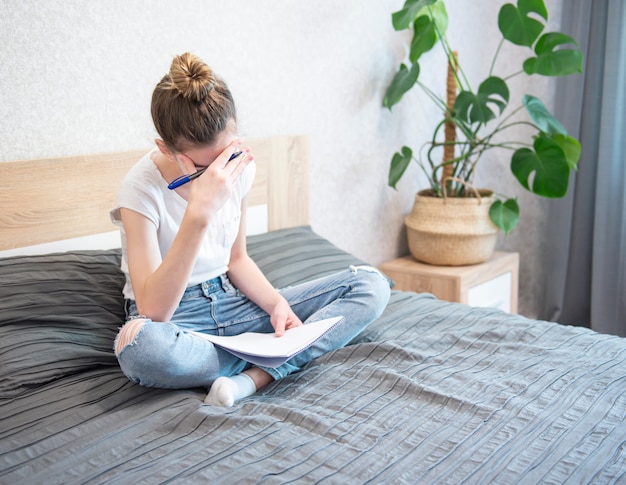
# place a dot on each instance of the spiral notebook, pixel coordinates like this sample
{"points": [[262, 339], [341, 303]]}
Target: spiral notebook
{"points": [[266, 349]]}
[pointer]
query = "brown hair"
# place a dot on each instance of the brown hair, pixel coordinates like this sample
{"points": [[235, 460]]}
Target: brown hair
{"points": [[191, 105]]}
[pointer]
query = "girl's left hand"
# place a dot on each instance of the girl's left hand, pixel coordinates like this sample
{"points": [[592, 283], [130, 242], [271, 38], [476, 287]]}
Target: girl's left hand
{"points": [[283, 318]]}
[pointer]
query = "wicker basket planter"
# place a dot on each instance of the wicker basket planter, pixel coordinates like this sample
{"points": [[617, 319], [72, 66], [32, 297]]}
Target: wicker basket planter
{"points": [[452, 231]]}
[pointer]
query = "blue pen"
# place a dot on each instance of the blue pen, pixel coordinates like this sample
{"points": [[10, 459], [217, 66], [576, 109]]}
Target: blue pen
{"points": [[183, 179]]}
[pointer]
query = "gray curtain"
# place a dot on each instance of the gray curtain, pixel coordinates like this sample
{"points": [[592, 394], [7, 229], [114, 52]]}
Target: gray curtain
{"points": [[586, 250]]}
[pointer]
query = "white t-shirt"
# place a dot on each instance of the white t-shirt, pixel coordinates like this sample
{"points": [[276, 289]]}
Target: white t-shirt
{"points": [[145, 191]]}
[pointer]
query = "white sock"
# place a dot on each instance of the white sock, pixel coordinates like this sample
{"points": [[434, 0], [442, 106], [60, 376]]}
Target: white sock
{"points": [[226, 390]]}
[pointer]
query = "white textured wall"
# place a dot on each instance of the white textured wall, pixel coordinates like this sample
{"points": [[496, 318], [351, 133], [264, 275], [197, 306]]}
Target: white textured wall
{"points": [[76, 77]]}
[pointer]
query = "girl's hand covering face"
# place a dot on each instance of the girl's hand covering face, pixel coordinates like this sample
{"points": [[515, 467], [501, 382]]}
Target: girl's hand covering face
{"points": [[210, 191]]}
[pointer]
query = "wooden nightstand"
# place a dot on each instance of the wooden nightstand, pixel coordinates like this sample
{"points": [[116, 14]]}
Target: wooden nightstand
{"points": [[493, 283]]}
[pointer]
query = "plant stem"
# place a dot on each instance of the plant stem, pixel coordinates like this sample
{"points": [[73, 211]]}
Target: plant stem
{"points": [[510, 76], [495, 56], [432, 95]]}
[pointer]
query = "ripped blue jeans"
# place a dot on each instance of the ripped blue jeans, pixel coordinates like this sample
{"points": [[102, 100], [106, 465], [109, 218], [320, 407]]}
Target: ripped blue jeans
{"points": [[166, 355]]}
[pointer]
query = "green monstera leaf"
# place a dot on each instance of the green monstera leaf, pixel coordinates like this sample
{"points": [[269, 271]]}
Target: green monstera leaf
{"points": [[504, 214], [547, 123], [404, 80], [517, 26], [553, 62], [399, 164], [547, 165], [424, 37], [571, 149], [542, 117], [435, 10], [475, 108], [412, 9]]}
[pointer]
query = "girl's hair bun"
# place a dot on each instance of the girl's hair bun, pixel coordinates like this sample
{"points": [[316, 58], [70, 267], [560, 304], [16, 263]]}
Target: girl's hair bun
{"points": [[191, 77], [191, 105]]}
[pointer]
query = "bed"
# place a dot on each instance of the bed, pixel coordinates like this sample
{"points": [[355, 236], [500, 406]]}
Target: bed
{"points": [[431, 392]]}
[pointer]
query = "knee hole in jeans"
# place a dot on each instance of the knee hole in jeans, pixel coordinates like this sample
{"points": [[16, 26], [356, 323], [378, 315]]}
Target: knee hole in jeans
{"points": [[128, 334]]}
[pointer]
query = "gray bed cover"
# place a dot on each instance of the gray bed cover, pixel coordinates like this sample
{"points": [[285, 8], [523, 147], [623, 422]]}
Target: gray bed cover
{"points": [[432, 392]]}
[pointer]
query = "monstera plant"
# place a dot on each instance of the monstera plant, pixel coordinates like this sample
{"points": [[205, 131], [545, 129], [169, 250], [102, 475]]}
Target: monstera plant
{"points": [[476, 117]]}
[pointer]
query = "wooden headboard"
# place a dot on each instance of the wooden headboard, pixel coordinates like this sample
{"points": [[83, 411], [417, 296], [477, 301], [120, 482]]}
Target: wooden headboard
{"points": [[61, 198]]}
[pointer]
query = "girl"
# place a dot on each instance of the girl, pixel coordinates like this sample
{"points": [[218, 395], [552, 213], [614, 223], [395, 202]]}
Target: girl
{"points": [[185, 260]]}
